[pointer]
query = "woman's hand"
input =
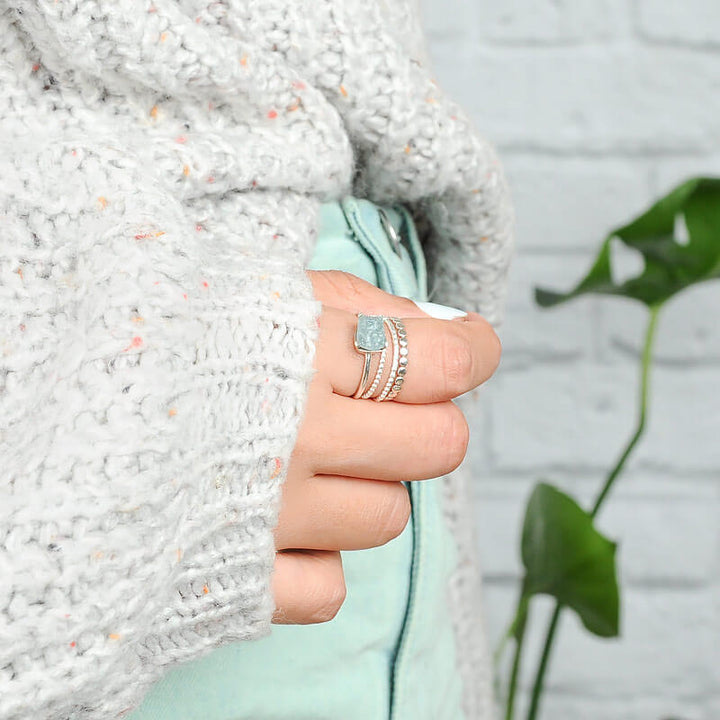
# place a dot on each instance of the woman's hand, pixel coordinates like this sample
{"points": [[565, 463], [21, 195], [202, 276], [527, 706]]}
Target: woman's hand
{"points": [[343, 490]]}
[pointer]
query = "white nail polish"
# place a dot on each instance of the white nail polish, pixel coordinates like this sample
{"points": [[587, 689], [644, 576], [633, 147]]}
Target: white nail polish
{"points": [[441, 312]]}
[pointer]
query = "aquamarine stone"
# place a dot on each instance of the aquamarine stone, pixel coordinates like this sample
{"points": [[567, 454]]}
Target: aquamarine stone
{"points": [[370, 333]]}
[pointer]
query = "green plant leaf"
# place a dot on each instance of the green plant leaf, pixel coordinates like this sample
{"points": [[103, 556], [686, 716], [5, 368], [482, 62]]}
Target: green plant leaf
{"points": [[566, 557], [670, 264]]}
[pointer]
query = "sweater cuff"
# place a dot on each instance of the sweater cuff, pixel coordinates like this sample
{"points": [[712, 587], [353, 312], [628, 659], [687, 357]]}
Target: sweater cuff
{"points": [[158, 373], [245, 415]]}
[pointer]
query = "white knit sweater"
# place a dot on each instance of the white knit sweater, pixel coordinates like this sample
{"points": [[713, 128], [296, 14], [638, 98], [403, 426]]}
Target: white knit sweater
{"points": [[161, 166]]}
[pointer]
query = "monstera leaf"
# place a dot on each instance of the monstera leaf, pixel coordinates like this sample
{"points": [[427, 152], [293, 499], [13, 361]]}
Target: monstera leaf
{"points": [[566, 557], [672, 262]]}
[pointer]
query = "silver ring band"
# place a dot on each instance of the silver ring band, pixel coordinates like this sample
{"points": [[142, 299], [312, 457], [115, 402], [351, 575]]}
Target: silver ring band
{"points": [[399, 375], [395, 361], [378, 376], [398, 369], [364, 377]]}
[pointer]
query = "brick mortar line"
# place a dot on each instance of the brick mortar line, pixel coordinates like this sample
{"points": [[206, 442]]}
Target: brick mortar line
{"points": [[640, 472], [704, 47], [624, 356], [636, 39], [511, 581], [534, 150]]}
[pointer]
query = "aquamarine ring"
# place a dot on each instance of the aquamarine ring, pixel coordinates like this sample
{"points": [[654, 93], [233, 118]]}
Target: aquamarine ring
{"points": [[370, 340]]}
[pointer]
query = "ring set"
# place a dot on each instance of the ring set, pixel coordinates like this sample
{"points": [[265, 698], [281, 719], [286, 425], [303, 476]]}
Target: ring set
{"points": [[371, 339]]}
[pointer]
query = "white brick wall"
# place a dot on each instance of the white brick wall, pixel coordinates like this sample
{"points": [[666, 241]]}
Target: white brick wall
{"points": [[597, 106]]}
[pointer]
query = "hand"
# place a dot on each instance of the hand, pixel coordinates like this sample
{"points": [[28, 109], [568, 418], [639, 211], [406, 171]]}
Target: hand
{"points": [[343, 489]]}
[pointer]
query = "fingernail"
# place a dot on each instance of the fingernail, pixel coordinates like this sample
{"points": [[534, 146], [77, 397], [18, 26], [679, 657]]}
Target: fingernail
{"points": [[441, 312]]}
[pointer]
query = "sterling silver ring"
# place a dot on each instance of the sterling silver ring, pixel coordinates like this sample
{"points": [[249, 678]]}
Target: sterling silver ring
{"points": [[399, 375], [370, 392], [398, 368]]}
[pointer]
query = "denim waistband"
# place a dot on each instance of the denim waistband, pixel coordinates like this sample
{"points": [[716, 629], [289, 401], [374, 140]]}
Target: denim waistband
{"points": [[393, 258]]}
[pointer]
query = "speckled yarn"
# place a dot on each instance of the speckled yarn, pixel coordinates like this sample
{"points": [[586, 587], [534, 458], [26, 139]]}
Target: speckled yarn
{"points": [[161, 167]]}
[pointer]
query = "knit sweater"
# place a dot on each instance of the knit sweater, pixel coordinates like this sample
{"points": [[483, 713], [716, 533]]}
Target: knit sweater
{"points": [[161, 167]]}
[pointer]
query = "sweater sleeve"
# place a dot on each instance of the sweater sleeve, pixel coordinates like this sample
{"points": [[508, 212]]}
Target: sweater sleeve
{"points": [[154, 364]]}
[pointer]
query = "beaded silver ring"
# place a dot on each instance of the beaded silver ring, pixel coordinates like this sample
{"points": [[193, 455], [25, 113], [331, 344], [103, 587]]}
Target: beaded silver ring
{"points": [[399, 376], [400, 360]]}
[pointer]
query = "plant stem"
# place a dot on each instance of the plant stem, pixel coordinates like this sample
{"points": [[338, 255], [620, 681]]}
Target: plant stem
{"points": [[544, 659], [519, 625], [644, 389], [646, 363]]}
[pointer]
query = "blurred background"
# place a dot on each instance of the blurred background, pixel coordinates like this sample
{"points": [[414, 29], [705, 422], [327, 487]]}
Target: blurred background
{"points": [[598, 107]]}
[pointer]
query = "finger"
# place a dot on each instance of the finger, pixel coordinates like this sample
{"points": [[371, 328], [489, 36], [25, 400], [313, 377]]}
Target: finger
{"points": [[308, 586], [353, 294], [383, 441], [341, 513], [446, 358]]}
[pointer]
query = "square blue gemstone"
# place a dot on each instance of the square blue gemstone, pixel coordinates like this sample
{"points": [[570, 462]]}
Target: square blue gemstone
{"points": [[370, 333]]}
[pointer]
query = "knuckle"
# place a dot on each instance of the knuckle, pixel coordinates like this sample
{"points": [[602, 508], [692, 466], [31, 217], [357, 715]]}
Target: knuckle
{"points": [[330, 601], [404, 307], [492, 350], [394, 514], [303, 451], [346, 285], [327, 592], [453, 437], [356, 287], [456, 363]]}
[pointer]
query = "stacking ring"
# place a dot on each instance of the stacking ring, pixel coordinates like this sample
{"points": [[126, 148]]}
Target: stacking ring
{"points": [[371, 339], [400, 360]]}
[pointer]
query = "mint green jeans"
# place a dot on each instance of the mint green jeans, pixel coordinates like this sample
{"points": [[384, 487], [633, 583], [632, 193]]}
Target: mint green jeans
{"points": [[389, 654]]}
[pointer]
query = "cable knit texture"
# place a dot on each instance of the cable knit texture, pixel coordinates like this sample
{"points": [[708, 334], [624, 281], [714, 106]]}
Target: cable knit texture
{"points": [[161, 167]]}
